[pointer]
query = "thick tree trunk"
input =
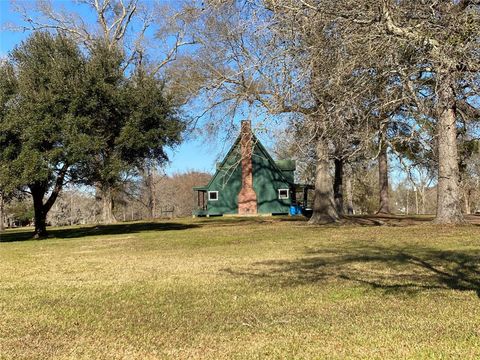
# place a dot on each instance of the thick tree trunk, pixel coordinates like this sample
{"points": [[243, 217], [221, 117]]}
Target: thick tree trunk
{"points": [[105, 203], [41, 209], [40, 224], [108, 206], [448, 192], [467, 202], [338, 186], [324, 210], [384, 207], [38, 192], [2, 215]]}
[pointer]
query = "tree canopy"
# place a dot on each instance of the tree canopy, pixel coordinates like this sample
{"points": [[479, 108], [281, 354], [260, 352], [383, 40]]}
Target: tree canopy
{"points": [[77, 117]]}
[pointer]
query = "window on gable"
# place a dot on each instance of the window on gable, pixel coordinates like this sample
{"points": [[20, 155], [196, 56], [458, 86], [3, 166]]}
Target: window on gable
{"points": [[283, 194], [212, 195]]}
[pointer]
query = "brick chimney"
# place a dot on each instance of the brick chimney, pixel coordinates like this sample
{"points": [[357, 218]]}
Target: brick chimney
{"points": [[247, 199]]}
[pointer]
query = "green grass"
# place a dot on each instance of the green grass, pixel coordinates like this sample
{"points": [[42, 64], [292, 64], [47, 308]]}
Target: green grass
{"points": [[241, 288]]}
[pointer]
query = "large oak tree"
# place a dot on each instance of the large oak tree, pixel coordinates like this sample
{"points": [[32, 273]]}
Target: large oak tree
{"points": [[76, 117], [41, 133]]}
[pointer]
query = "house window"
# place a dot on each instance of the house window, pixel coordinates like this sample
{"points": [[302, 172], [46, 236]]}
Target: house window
{"points": [[283, 194], [212, 195]]}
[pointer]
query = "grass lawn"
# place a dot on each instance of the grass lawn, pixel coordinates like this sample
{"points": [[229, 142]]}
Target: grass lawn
{"points": [[242, 288]]}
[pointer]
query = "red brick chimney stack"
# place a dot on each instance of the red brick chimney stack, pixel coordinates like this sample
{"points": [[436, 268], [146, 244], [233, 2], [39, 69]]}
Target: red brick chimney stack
{"points": [[247, 199]]}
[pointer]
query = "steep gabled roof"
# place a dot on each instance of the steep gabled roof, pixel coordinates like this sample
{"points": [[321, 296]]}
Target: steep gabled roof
{"points": [[219, 167], [269, 158], [256, 142]]}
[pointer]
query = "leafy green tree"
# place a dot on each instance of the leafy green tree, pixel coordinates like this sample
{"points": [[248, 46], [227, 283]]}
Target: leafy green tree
{"points": [[79, 118], [41, 133], [133, 122], [7, 92]]}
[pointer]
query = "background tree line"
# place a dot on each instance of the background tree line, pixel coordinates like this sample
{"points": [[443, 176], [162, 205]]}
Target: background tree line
{"points": [[164, 197]]}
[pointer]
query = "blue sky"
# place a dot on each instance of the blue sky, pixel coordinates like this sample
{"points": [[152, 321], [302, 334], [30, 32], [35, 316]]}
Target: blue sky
{"points": [[196, 153], [8, 39]]}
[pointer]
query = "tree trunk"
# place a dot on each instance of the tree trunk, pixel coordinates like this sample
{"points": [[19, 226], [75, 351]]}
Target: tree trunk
{"points": [[2, 223], [149, 191], [408, 196], [416, 201], [41, 209], [38, 193], [383, 180], [448, 192], [108, 206], [467, 202], [338, 186], [349, 192], [324, 210], [98, 203], [423, 199], [154, 203]]}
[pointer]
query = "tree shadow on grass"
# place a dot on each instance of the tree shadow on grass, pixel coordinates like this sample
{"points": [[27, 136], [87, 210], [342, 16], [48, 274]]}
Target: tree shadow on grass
{"points": [[97, 230], [230, 221], [346, 220], [391, 270]]}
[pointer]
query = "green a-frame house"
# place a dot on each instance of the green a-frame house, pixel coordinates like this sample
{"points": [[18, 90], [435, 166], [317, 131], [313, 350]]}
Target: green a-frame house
{"points": [[249, 182]]}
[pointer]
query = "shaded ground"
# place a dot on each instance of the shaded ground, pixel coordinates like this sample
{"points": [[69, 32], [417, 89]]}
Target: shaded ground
{"points": [[399, 220], [21, 234], [69, 232], [430, 269], [246, 288]]}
